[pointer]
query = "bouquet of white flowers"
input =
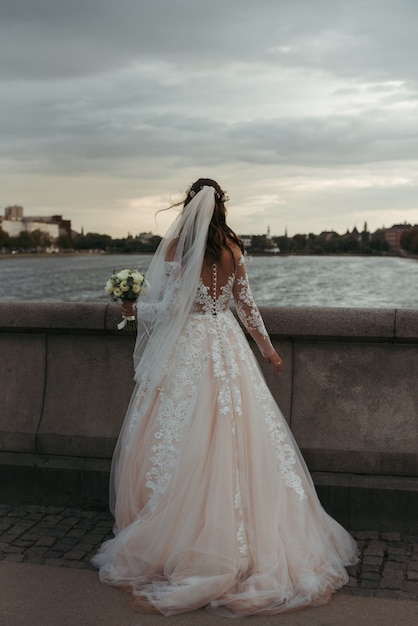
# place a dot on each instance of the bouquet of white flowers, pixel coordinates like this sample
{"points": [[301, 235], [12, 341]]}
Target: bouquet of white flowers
{"points": [[127, 286]]}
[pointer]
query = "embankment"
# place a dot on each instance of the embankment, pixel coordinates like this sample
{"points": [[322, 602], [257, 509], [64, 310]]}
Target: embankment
{"points": [[349, 392]]}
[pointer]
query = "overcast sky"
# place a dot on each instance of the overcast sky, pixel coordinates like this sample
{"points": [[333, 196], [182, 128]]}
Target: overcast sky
{"points": [[305, 111]]}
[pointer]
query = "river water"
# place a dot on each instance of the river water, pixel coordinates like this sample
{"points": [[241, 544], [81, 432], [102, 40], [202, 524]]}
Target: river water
{"points": [[324, 281]]}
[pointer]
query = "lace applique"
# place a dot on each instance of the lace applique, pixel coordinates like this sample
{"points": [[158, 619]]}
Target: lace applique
{"points": [[177, 403], [239, 512], [246, 307], [205, 303], [248, 312], [285, 453]]}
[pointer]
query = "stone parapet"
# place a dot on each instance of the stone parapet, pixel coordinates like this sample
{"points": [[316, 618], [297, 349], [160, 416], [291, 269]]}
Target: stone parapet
{"points": [[348, 388]]}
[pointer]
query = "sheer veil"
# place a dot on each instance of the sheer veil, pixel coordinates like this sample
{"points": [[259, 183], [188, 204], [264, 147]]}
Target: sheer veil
{"points": [[173, 275]]}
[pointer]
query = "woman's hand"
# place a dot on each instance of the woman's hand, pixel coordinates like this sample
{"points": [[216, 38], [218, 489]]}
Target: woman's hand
{"points": [[276, 362], [128, 308]]}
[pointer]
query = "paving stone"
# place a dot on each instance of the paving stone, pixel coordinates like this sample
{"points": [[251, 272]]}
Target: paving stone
{"points": [[68, 542], [369, 584], [392, 579], [35, 517], [75, 555], [366, 534], [56, 532], [14, 558], [9, 549], [392, 536], [46, 541], [363, 591], [36, 560], [372, 560], [51, 520], [413, 566], [54, 510], [88, 514], [70, 521], [86, 547], [370, 568], [396, 550], [412, 575], [23, 543], [375, 548], [30, 537], [353, 570], [53, 555], [370, 576], [35, 551], [397, 558], [395, 565], [412, 587], [9, 537]]}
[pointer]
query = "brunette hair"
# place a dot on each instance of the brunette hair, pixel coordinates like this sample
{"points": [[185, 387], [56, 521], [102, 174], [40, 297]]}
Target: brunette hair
{"points": [[219, 233]]}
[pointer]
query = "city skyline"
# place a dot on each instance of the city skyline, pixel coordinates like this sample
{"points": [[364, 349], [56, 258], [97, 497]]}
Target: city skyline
{"points": [[305, 112], [16, 213]]}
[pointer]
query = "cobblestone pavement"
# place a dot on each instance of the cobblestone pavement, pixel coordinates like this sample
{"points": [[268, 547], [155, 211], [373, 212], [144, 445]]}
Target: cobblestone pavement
{"points": [[50, 535]]}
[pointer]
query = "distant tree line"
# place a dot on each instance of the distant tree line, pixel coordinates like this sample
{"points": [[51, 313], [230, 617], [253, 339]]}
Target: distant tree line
{"points": [[96, 241], [332, 243], [35, 241], [40, 241], [409, 240]]}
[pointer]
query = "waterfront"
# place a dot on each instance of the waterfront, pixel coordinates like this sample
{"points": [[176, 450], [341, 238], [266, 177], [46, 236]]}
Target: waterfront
{"points": [[324, 281]]}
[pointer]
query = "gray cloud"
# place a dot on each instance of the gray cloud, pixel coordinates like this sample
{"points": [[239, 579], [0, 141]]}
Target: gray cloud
{"points": [[269, 95]]}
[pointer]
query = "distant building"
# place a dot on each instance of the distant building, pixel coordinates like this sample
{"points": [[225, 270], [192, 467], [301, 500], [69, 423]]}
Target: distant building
{"points": [[13, 213], [393, 235], [353, 235], [145, 237], [327, 234], [14, 223], [260, 243], [246, 240]]}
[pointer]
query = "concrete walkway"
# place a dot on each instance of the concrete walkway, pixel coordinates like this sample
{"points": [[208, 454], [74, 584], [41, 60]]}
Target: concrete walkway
{"points": [[46, 578], [43, 595]]}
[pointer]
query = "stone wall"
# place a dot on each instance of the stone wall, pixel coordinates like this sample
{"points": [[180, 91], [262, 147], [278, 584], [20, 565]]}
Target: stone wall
{"points": [[348, 391]]}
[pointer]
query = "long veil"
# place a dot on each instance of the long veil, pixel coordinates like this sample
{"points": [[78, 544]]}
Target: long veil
{"points": [[173, 275], [163, 311]]}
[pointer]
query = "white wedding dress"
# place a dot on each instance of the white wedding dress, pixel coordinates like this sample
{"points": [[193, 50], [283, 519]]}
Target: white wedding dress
{"points": [[213, 502]]}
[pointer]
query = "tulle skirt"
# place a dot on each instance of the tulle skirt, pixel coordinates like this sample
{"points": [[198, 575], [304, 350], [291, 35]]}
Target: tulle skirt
{"points": [[212, 500]]}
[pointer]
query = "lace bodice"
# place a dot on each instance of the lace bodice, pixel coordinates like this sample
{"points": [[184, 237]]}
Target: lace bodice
{"points": [[206, 302], [214, 299]]}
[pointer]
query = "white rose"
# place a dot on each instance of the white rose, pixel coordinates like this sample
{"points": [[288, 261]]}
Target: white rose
{"points": [[138, 277], [123, 274], [109, 287], [136, 288], [117, 292], [124, 285]]}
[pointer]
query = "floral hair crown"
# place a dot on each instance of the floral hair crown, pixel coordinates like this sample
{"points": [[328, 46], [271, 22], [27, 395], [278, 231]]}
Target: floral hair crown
{"points": [[223, 198]]}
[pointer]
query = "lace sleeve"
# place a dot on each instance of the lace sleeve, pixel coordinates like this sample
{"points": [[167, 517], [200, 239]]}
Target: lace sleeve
{"points": [[248, 312], [147, 311]]}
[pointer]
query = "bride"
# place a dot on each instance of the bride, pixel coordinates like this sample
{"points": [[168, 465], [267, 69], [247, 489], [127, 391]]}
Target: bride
{"points": [[212, 500]]}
